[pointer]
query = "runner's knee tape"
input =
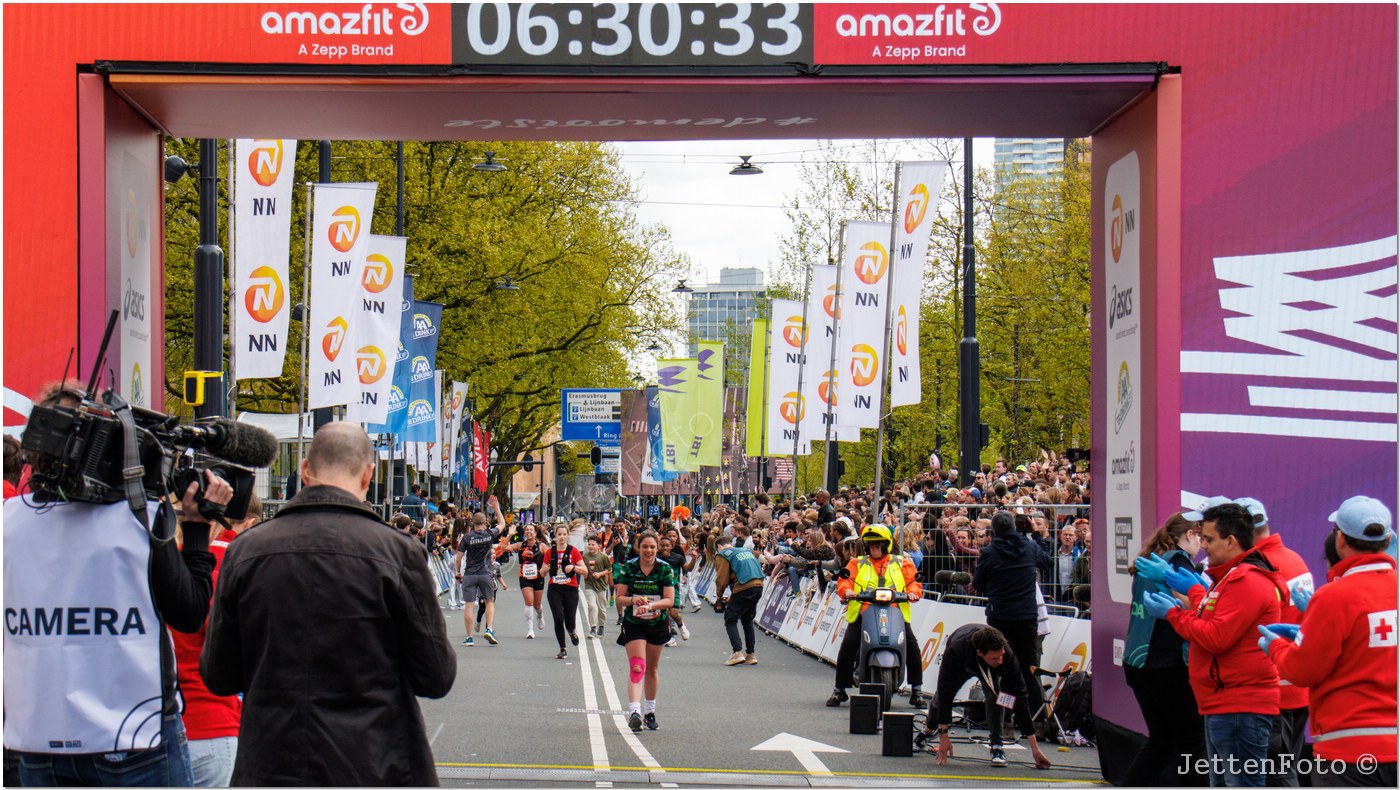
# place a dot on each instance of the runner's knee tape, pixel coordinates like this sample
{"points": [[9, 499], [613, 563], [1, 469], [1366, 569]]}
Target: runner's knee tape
{"points": [[639, 669]]}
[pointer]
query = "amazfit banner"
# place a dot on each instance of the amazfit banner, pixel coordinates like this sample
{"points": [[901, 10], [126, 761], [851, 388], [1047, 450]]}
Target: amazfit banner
{"points": [[819, 380], [865, 267], [260, 306], [339, 243], [377, 333], [917, 186], [709, 409], [678, 392]]}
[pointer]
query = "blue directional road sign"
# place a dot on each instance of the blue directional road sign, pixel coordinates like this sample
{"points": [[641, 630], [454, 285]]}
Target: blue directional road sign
{"points": [[592, 415]]}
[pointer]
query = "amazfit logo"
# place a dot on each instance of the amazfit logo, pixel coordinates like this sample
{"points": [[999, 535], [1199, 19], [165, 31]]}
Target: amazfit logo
{"points": [[368, 20]]}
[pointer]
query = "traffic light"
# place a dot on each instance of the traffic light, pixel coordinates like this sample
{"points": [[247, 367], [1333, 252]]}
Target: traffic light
{"points": [[528, 463], [595, 456]]}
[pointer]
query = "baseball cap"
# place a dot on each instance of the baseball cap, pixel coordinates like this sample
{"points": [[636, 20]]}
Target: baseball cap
{"points": [[1020, 467], [1255, 508], [1199, 513], [1359, 512]]}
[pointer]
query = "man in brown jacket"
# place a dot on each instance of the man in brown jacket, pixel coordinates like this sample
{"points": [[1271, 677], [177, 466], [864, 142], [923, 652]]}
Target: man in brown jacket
{"points": [[738, 568], [327, 620]]}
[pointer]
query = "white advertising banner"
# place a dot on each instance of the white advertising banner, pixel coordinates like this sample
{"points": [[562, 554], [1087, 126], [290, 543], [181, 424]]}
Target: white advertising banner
{"points": [[261, 305], [864, 268], [1122, 496], [920, 184], [137, 256], [786, 406], [821, 382], [377, 331], [456, 405], [339, 243]]}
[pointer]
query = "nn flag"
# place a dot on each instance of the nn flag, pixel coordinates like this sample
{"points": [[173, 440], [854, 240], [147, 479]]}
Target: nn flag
{"points": [[821, 379], [380, 318], [865, 269], [339, 243], [260, 305], [920, 183]]}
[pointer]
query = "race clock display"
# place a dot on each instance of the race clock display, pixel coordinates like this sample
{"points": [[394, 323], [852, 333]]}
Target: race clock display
{"points": [[636, 34]]}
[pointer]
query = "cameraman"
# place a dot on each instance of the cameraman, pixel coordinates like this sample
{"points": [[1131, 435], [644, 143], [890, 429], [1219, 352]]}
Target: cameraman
{"points": [[89, 664]]}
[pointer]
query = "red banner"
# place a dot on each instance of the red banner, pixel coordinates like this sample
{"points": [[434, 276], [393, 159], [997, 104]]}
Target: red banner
{"points": [[481, 457]]}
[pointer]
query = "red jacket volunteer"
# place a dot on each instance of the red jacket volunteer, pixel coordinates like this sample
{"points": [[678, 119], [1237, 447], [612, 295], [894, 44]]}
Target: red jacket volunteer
{"points": [[1294, 572]]}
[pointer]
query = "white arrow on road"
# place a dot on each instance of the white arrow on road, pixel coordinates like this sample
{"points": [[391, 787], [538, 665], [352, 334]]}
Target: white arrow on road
{"points": [[803, 749]]}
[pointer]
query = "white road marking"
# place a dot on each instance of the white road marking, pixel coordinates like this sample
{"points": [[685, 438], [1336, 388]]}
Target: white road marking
{"points": [[436, 733], [595, 722], [803, 749], [610, 689]]}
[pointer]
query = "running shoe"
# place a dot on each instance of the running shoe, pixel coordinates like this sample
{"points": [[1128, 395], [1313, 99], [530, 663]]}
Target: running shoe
{"points": [[489, 635], [650, 720], [635, 721], [573, 637], [671, 643], [685, 633], [530, 634], [539, 620], [998, 757], [734, 660], [563, 653], [695, 608], [750, 659], [469, 642]]}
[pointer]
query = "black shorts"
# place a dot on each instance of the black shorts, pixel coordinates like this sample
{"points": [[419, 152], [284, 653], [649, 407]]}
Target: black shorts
{"points": [[655, 633], [536, 583]]}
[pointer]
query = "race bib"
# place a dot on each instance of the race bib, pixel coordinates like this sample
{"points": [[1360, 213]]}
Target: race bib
{"points": [[529, 571], [1006, 700], [561, 578]]}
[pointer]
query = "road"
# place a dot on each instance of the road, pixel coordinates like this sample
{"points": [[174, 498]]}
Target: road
{"points": [[518, 716]]}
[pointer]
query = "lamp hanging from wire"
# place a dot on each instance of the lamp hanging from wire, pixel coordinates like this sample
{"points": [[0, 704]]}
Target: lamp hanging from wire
{"points": [[489, 164], [746, 168]]}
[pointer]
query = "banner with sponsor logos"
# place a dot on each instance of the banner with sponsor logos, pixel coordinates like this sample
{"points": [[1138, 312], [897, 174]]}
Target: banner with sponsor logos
{"points": [[865, 266], [138, 262], [339, 242], [656, 442], [377, 333], [452, 422], [481, 457], [260, 305], [420, 422], [820, 383], [788, 415], [920, 184], [709, 407], [678, 391]]}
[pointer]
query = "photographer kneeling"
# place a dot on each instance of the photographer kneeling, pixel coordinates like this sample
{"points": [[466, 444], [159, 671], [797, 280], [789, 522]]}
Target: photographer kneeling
{"points": [[90, 691]]}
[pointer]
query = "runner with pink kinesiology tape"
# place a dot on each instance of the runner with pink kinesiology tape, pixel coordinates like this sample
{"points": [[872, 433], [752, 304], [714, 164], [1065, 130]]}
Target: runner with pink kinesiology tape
{"points": [[647, 588]]}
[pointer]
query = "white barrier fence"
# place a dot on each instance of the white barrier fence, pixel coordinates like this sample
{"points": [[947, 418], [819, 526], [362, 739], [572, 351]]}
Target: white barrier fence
{"points": [[815, 624]]}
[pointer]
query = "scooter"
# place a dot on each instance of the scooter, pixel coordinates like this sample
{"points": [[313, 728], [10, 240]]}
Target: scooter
{"points": [[882, 648]]}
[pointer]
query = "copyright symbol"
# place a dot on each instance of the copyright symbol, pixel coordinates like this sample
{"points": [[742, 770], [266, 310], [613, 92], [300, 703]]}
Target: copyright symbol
{"points": [[1367, 764]]}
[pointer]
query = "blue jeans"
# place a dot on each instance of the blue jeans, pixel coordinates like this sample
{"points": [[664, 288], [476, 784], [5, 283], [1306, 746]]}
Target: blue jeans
{"points": [[167, 765], [1232, 739], [794, 573], [211, 760]]}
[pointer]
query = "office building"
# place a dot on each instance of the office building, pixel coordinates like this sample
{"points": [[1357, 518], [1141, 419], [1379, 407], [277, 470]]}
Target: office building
{"points": [[724, 311]]}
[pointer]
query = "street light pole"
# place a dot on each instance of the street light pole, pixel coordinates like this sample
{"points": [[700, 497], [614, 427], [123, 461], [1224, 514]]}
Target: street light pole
{"points": [[209, 285], [969, 356]]}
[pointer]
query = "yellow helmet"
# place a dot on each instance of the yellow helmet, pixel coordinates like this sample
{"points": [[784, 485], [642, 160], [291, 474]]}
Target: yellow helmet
{"points": [[877, 532]]}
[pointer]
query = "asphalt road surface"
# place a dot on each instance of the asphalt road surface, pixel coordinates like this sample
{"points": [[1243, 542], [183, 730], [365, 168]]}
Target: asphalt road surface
{"points": [[517, 716]]}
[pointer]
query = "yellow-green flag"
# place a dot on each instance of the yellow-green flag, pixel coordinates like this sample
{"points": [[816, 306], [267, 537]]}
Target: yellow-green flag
{"points": [[708, 426], [755, 419], [677, 389]]}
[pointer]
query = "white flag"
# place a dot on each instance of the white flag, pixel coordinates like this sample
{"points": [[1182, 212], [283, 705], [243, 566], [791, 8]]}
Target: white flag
{"points": [[789, 414], [865, 289], [260, 305], [377, 330], [920, 183], [457, 406], [339, 242], [821, 380]]}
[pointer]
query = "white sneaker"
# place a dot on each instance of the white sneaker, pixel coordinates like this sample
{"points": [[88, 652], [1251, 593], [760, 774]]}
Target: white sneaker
{"points": [[685, 633], [539, 620], [530, 634], [671, 643]]}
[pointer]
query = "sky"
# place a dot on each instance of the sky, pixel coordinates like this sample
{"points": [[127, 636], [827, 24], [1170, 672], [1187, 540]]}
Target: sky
{"points": [[719, 220]]}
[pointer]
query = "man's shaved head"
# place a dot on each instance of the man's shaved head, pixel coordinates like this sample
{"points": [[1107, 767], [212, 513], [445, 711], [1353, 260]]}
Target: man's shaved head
{"points": [[339, 449]]}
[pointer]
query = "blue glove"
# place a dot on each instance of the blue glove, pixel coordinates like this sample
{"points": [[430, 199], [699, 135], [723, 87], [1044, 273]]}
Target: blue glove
{"points": [[1181, 580], [1151, 567], [1288, 631], [1157, 604], [1302, 596]]}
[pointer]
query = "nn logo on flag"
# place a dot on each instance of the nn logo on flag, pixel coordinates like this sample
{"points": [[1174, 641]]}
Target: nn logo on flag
{"points": [[865, 365], [419, 412], [265, 294], [872, 262], [795, 331], [370, 364], [420, 369], [265, 162], [901, 331], [792, 408], [344, 228], [916, 208], [1116, 227], [334, 337], [396, 399], [379, 272], [423, 326], [831, 303], [826, 390]]}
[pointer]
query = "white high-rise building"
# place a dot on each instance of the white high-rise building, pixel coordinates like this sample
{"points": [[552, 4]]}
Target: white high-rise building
{"points": [[724, 311], [1028, 156]]}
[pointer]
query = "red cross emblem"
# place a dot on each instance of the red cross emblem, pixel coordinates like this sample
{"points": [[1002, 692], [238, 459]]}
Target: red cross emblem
{"points": [[1382, 629]]}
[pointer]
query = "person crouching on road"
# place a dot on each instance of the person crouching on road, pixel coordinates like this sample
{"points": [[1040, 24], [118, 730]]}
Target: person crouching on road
{"points": [[646, 586], [877, 569], [1348, 661], [740, 569], [1236, 686], [981, 652]]}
